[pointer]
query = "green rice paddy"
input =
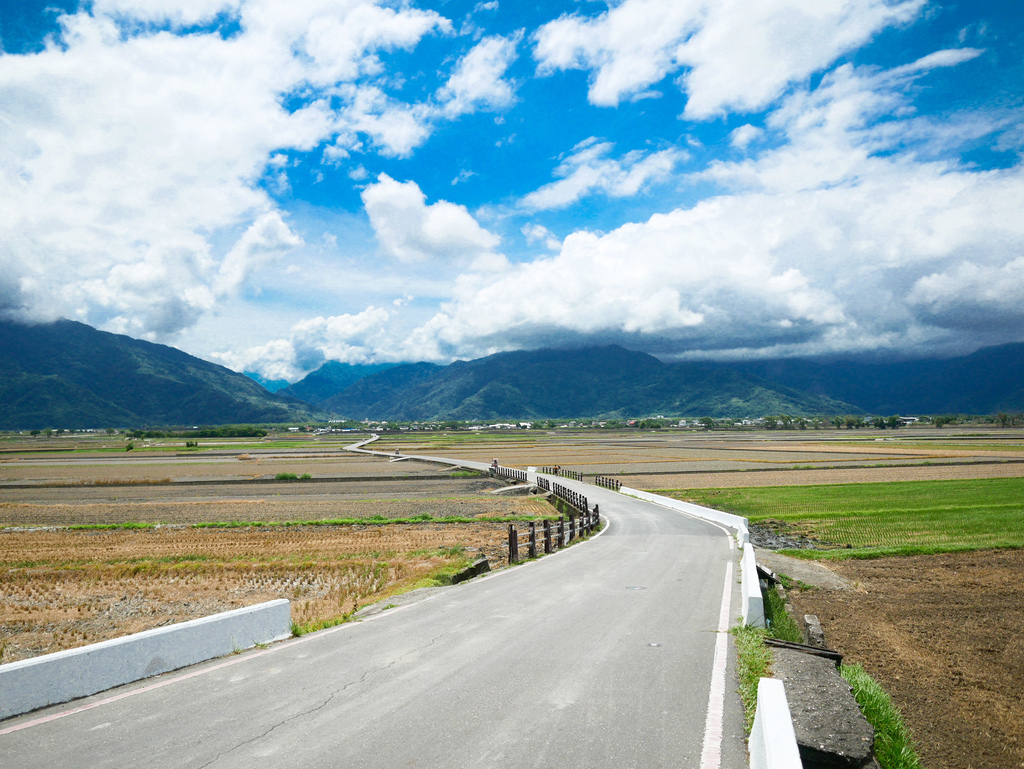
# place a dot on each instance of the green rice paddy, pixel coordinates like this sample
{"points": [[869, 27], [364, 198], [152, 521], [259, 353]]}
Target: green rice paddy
{"points": [[868, 520]]}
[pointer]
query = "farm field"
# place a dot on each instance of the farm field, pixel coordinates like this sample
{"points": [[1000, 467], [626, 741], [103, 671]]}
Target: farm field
{"points": [[64, 588], [925, 625], [941, 632], [868, 520], [663, 459]]}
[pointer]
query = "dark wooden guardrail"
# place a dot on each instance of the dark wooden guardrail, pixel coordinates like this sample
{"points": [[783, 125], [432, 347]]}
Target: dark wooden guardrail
{"points": [[556, 534], [561, 471]]}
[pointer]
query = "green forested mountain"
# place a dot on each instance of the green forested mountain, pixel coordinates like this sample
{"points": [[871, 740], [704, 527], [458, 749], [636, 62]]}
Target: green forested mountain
{"points": [[606, 381], [330, 379], [986, 382], [69, 375]]}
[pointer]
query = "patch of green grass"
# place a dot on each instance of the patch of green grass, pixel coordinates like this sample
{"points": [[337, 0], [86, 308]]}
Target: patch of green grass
{"points": [[754, 662], [871, 520], [780, 624], [894, 746]]}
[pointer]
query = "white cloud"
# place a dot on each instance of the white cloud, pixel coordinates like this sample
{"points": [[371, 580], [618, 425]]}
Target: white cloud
{"points": [[266, 239], [478, 79], [538, 233], [744, 135], [131, 159], [347, 338], [410, 230], [973, 297], [734, 55], [589, 169], [843, 238]]}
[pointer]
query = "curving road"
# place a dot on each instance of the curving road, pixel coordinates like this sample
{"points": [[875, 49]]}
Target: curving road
{"points": [[601, 655]]}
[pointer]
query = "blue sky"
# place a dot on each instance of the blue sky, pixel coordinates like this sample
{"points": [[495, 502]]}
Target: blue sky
{"points": [[270, 185]]}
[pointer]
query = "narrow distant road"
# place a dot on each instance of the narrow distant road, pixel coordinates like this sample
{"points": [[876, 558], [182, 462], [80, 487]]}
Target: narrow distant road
{"points": [[601, 655]]}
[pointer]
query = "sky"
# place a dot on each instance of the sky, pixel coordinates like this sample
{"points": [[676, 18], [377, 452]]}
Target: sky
{"points": [[272, 184]]}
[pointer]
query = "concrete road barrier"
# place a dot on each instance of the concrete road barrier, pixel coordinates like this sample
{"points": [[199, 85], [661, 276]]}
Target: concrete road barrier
{"points": [[62, 676], [773, 740]]}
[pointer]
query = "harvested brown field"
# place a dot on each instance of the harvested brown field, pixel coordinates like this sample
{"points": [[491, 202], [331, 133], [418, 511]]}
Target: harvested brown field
{"points": [[669, 459], [825, 476], [78, 469], [64, 589], [263, 510], [942, 634]]}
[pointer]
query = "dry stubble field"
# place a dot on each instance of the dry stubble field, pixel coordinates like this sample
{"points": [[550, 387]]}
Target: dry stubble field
{"points": [[940, 632], [65, 586]]}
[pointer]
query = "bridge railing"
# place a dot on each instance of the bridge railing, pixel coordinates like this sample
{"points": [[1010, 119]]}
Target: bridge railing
{"points": [[562, 472], [608, 483], [554, 534], [511, 473]]}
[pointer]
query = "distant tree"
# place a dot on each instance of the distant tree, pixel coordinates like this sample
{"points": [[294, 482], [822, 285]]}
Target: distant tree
{"points": [[707, 422], [1003, 419], [771, 423], [878, 422], [894, 422], [34, 432]]}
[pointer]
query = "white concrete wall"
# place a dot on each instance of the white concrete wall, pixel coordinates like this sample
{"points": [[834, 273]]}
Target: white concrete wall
{"points": [[750, 586], [63, 676], [772, 740]]}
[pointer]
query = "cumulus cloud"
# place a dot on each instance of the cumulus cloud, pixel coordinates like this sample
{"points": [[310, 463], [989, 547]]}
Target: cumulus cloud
{"points": [[478, 81], [744, 135], [842, 238], [411, 231], [973, 297], [131, 157], [357, 338], [731, 56], [588, 169]]}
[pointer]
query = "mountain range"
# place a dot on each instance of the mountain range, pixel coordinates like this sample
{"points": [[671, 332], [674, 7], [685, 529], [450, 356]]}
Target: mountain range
{"points": [[72, 376], [69, 375]]}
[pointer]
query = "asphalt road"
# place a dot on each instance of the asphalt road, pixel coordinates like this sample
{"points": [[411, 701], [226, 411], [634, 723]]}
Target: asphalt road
{"points": [[600, 655]]}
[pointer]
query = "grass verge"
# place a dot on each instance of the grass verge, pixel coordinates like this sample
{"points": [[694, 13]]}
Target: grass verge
{"points": [[754, 662], [894, 747]]}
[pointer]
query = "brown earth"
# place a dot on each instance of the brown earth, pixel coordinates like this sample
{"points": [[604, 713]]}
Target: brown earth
{"points": [[944, 634], [66, 588], [68, 512]]}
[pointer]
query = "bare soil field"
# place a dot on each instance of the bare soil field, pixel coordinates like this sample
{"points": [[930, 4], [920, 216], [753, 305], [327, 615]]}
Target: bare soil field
{"points": [[270, 510], [64, 588], [943, 634], [155, 468], [825, 476]]}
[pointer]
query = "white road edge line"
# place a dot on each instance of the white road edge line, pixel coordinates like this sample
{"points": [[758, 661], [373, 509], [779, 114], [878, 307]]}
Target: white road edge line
{"points": [[711, 755]]}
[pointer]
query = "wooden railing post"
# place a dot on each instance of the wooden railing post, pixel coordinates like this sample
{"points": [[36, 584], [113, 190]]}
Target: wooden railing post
{"points": [[561, 531], [572, 527], [513, 543], [547, 536]]}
